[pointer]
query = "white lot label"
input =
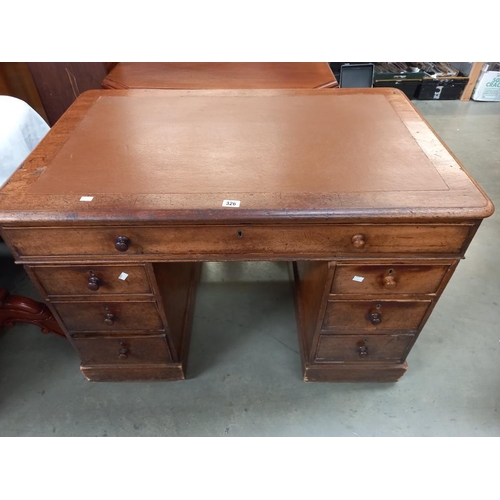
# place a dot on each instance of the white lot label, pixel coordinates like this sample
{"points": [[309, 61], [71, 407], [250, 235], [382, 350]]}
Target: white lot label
{"points": [[86, 198], [358, 278], [123, 276], [231, 203]]}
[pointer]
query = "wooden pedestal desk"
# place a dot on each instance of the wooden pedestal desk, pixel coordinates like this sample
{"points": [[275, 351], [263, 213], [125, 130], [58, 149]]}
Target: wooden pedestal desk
{"points": [[131, 190]]}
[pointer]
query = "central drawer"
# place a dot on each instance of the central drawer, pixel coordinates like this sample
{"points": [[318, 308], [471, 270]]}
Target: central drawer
{"points": [[109, 316], [374, 316], [268, 240]]}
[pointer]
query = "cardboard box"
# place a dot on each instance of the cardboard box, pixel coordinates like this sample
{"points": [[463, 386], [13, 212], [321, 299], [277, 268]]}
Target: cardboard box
{"points": [[487, 87]]}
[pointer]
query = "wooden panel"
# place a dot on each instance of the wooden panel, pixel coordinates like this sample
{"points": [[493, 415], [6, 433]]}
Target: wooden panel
{"points": [[123, 350], [285, 240], [349, 316], [177, 288], [228, 75], [128, 316], [75, 280], [135, 372], [354, 372], [363, 349], [60, 83], [383, 279], [473, 77], [311, 285]]}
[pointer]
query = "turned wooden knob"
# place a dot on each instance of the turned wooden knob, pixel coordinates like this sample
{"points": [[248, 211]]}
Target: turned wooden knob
{"points": [[94, 283], [390, 282], [374, 318], [358, 240], [122, 243], [123, 353], [110, 319], [363, 351]]}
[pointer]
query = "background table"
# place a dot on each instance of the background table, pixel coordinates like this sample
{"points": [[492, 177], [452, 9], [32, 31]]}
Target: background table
{"points": [[220, 76]]}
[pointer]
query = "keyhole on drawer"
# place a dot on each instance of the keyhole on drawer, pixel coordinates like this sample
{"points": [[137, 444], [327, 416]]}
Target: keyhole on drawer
{"points": [[390, 271], [378, 306], [240, 234], [106, 308]]}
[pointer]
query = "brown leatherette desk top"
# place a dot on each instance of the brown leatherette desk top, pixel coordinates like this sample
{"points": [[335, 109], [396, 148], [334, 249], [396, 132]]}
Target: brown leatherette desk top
{"points": [[235, 75], [152, 155]]}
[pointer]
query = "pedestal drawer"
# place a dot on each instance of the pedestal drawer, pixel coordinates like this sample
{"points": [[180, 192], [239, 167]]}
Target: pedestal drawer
{"points": [[92, 280], [374, 316], [123, 350], [360, 348], [282, 240], [109, 316], [351, 279]]}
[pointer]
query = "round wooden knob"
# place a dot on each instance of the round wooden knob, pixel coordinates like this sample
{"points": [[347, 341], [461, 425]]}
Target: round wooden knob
{"points": [[358, 241], [374, 318], [123, 354], [110, 319], [94, 283], [122, 243], [390, 282], [363, 351]]}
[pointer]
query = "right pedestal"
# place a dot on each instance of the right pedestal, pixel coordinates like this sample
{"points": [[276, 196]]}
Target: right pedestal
{"points": [[358, 319]]}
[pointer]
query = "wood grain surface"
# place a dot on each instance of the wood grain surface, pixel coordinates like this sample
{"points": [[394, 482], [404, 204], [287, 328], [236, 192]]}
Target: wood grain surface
{"points": [[232, 75]]}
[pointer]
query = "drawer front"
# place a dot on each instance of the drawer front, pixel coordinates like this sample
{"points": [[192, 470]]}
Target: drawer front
{"points": [[384, 279], [359, 348], [123, 350], [374, 316], [109, 316], [297, 240], [93, 280]]}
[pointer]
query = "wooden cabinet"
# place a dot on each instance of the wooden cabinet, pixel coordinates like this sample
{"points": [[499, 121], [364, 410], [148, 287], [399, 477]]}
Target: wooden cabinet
{"points": [[115, 211]]}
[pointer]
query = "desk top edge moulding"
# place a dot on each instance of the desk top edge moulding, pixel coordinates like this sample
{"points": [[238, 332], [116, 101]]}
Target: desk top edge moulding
{"points": [[115, 210]]}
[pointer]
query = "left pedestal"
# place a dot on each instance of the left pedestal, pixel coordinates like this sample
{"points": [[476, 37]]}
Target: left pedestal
{"points": [[126, 321]]}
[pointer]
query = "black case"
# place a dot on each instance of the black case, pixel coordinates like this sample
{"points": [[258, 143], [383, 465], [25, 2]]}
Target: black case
{"points": [[442, 89], [406, 86], [356, 76]]}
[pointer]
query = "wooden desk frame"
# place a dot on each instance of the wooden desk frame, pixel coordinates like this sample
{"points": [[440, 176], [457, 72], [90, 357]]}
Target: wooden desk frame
{"points": [[402, 245]]}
